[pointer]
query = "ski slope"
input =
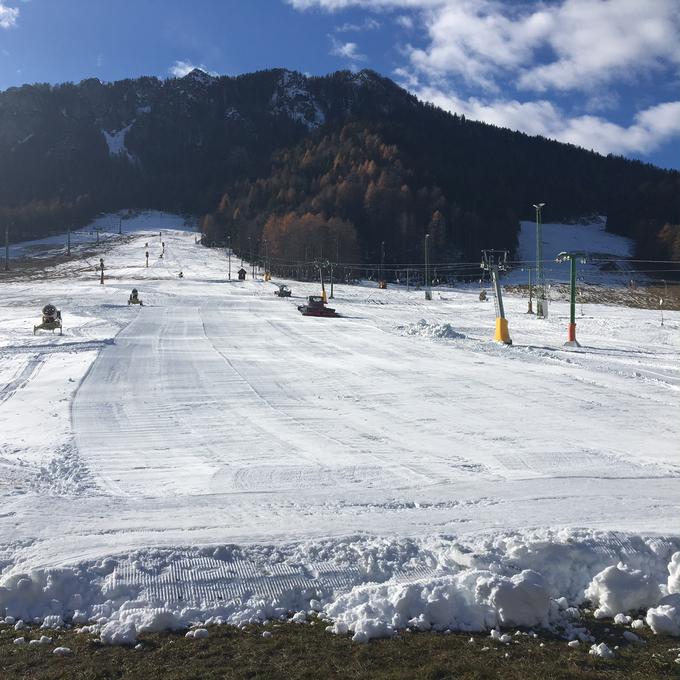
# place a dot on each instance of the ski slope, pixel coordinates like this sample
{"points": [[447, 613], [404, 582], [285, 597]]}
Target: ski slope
{"points": [[214, 453], [601, 248]]}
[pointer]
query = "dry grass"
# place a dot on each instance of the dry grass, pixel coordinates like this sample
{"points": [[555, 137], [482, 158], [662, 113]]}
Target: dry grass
{"points": [[307, 651]]}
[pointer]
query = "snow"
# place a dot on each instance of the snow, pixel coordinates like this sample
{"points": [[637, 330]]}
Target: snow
{"points": [[665, 618], [673, 583], [590, 238], [601, 651], [115, 140], [199, 76], [473, 600], [292, 98], [61, 651], [621, 589], [215, 457]]}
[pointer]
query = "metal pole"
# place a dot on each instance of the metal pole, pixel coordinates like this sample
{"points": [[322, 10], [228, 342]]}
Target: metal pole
{"points": [[266, 259], [497, 290], [229, 241], [382, 261], [101, 265], [571, 341], [407, 279], [531, 290], [68, 241], [428, 291], [331, 295], [572, 311], [541, 302]]}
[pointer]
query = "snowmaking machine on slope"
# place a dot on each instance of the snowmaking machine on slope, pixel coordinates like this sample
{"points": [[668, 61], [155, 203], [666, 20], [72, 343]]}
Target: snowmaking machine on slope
{"points": [[51, 320], [134, 298], [283, 291]]}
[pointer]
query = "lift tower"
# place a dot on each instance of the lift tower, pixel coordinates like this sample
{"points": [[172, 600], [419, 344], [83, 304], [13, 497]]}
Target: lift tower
{"points": [[495, 261]]}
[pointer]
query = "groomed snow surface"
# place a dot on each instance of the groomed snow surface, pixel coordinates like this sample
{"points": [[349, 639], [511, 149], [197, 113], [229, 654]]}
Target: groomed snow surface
{"points": [[213, 456]]}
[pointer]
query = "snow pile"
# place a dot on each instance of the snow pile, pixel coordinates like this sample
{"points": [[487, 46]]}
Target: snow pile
{"points": [[601, 651], [621, 589], [673, 583], [426, 329], [665, 618], [117, 633], [374, 588], [472, 600]]}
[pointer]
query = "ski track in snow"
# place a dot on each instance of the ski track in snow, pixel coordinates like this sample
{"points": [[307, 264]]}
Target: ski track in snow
{"points": [[332, 451]]}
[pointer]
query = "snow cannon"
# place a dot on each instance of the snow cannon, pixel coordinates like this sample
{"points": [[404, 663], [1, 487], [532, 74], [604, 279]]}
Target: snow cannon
{"points": [[51, 320], [283, 291], [316, 306], [134, 298]]}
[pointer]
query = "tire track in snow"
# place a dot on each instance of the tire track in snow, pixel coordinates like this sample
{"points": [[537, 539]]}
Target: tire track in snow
{"points": [[23, 377]]}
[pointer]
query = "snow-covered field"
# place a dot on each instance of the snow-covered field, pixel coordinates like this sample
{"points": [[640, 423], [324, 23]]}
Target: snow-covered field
{"points": [[215, 454], [601, 248]]}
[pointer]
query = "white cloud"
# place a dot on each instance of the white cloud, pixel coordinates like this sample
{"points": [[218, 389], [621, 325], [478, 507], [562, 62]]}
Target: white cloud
{"points": [[8, 16], [500, 50], [405, 21], [180, 68], [368, 24], [489, 43], [346, 50], [648, 131]]}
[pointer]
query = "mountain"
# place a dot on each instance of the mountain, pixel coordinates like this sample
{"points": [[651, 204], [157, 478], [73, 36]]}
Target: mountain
{"points": [[318, 166]]}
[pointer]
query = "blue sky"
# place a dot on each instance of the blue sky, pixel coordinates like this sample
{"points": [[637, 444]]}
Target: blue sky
{"points": [[603, 74]]}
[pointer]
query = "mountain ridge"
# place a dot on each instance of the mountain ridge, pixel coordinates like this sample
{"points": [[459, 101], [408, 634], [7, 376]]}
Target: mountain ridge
{"points": [[69, 151]]}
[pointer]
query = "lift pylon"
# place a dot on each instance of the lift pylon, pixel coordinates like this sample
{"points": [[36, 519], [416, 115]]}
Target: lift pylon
{"points": [[495, 261]]}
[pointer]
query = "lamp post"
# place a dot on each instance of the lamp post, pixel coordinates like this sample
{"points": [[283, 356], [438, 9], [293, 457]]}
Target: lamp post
{"points": [[428, 291], [229, 255], [572, 257], [541, 301]]}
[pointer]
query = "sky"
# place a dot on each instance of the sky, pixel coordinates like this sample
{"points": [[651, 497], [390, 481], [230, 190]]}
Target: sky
{"points": [[602, 74]]}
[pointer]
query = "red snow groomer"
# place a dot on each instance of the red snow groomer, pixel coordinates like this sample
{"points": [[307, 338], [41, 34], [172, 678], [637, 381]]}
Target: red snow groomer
{"points": [[316, 307]]}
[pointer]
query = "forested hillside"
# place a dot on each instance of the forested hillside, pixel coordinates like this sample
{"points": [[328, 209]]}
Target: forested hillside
{"points": [[331, 166]]}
